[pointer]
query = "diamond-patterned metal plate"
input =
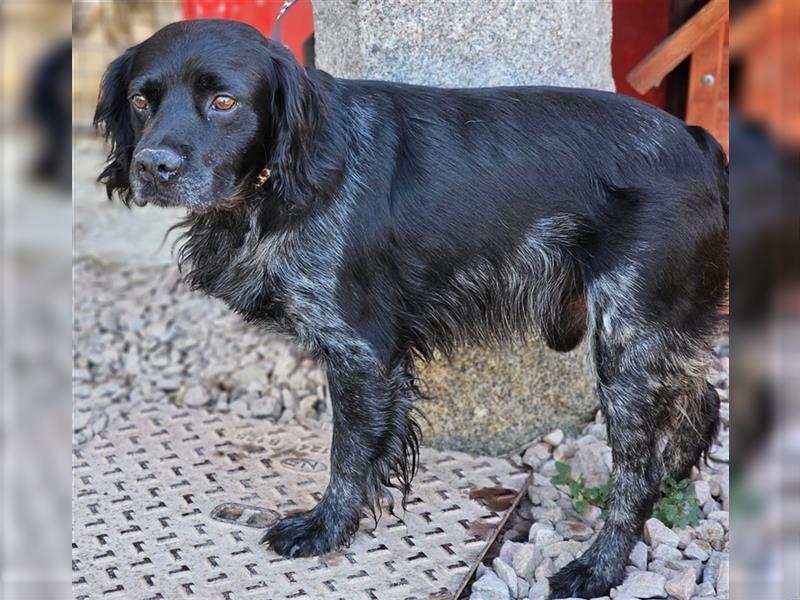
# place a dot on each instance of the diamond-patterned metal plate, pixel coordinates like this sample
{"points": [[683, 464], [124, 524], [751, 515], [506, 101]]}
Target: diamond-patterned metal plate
{"points": [[171, 503]]}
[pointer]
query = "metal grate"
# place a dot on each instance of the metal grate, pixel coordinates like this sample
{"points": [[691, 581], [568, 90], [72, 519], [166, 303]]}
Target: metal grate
{"points": [[170, 503]]}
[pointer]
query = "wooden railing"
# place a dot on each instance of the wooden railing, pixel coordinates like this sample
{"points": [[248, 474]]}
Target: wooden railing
{"points": [[704, 37]]}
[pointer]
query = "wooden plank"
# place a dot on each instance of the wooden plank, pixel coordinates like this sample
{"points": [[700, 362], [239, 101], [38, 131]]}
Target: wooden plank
{"points": [[675, 48], [707, 103]]}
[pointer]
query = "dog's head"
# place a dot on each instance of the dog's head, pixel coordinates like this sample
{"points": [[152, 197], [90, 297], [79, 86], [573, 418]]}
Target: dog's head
{"points": [[197, 112]]}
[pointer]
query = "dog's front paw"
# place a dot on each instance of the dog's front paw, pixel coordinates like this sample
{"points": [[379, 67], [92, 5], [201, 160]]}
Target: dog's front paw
{"points": [[305, 534], [581, 579]]}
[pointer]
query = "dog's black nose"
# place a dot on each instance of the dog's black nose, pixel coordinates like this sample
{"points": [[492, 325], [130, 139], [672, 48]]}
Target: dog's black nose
{"points": [[156, 164]]}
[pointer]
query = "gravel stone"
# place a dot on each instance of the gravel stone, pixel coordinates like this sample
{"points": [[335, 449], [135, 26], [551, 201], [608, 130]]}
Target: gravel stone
{"points": [[289, 399], [686, 535], [543, 495], [522, 588], [682, 587], [285, 365], [542, 534], [307, 408], [490, 587], [723, 576], [546, 569], [252, 378], [553, 550], [701, 490], [548, 513], [712, 532], [659, 566], [506, 574], [565, 452], [720, 454], [598, 431], [699, 550], [704, 590], [710, 506], [593, 516], [644, 584], [665, 553], [722, 517], [536, 455], [638, 557], [524, 558], [80, 419], [590, 463], [539, 590], [574, 530], [196, 396], [712, 567], [682, 565], [266, 407], [562, 560], [554, 438], [655, 533], [241, 407], [100, 423]]}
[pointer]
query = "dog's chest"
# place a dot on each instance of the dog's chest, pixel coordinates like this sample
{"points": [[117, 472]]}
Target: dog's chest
{"points": [[262, 278], [254, 283]]}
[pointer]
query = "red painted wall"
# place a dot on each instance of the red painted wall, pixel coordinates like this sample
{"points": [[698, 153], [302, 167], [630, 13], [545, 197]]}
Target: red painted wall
{"points": [[297, 24], [638, 27]]}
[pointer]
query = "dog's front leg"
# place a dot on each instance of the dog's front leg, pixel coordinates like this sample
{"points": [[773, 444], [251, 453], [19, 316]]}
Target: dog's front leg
{"points": [[369, 424]]}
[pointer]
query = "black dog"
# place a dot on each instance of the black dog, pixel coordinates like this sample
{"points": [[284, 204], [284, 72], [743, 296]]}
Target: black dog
{"points": [[376, 222]]}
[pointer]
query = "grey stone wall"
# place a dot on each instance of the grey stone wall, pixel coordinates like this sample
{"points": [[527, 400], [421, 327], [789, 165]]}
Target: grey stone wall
{"points": [[467, 43], [484, 400]]}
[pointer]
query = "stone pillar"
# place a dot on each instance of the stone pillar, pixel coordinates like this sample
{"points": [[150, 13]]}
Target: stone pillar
{"points": [[467, 43], [485, 400]]}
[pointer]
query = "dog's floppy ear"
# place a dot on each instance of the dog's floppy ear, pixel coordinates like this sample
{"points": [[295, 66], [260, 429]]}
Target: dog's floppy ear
{"points": [[295, 108], [113, 114]]}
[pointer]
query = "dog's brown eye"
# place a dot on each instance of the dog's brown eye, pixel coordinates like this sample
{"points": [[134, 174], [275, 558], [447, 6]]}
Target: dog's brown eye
{"points": [[139, 101], [223, 103]]}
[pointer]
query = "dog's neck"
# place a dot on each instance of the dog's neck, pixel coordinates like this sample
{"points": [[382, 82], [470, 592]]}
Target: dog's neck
{"points": [[227, 254]]}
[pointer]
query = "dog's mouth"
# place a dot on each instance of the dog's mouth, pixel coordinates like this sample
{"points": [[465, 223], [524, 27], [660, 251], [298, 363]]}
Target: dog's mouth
{"points": [[151, 194], [193, 195], [147, 192], [156, 200]]}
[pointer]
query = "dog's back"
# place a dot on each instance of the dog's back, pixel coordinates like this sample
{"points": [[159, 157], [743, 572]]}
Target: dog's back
{"points": [[492, 208]]}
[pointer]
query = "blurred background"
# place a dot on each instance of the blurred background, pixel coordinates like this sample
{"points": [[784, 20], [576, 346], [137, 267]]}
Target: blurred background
{"points": [[49, 91], [36, 245], [765, 298]]}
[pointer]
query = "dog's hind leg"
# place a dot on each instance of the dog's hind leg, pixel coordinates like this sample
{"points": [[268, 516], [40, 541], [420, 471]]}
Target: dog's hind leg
{"points": [[693, 431], [644, 369], [374, 440], [634, 410], [651, 358]]}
